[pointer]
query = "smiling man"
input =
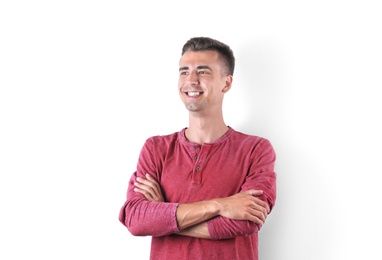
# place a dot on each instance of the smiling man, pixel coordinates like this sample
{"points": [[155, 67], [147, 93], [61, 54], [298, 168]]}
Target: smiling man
{"points": [[203, 192]]}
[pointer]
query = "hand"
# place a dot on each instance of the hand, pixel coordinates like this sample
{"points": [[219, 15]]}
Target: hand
{"points": [[245, 206], [150, 188]]}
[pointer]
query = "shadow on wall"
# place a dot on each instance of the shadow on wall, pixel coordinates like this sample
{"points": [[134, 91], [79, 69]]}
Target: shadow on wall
{"points": [[260, 80], [266, 97]]}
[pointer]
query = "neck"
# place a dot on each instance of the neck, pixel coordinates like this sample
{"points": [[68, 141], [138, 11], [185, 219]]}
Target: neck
{"points": [[205, 129]]}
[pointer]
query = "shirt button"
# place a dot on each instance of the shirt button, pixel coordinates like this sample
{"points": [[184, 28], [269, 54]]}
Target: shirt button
{"points": [[196, 157], [198, 168]]}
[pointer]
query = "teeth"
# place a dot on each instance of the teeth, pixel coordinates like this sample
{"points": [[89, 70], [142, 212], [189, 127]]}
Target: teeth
{"points": [[193, 94]]}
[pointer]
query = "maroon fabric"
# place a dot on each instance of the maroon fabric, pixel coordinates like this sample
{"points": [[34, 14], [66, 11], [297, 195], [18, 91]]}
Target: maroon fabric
{"points": [[188, 172]]}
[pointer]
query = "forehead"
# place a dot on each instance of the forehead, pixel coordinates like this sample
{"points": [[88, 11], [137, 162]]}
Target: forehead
{"points": [[196, 58]]}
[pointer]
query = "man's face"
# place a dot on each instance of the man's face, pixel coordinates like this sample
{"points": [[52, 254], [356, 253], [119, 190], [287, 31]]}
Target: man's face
{"points": [[202, 81]]}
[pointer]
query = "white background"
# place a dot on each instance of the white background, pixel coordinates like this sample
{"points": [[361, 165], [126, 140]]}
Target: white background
{"points": [[84, 83]]}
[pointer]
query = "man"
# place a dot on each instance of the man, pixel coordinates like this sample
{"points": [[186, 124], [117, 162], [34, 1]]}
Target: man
{"points": [[203, 192]]}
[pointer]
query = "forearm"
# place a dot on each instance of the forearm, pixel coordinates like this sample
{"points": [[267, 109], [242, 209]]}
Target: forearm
{"points": [[221, 218], [188, 215], [198, 231], [221, 228]]}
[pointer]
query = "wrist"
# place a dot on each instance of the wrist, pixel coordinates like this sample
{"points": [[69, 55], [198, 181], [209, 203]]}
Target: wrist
{"points": [[216, 206]]}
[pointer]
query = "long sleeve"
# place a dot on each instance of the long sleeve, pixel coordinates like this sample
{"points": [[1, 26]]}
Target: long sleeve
{"points": [[188, 172], [143, 217], [261, 176]]}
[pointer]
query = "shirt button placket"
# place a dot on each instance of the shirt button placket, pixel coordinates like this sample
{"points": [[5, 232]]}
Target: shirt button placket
{"points": [[197, 169]]}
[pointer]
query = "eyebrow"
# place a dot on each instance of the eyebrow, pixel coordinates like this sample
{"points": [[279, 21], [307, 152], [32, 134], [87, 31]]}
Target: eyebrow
{"points": [[198, 67]]}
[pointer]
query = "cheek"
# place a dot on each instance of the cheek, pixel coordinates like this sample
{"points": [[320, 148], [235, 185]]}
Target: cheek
{"points": [[180, 89], [181, 79], [181, 83]]}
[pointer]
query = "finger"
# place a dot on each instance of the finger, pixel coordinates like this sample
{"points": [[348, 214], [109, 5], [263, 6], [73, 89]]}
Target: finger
{"points": [[144, 193], [150, 186], [154, 184], [139, 179], [260, 201], [143, 187], [259, 216], [256, 192], [260, 212], [146, 182], [249, 192], [260, 206], [142, 180], [264, 205], [150, 191], [256, 219], [149, 177], [152, 181]]}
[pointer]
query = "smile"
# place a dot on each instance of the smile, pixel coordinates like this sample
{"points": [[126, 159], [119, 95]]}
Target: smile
{"points": [[193, 93]]}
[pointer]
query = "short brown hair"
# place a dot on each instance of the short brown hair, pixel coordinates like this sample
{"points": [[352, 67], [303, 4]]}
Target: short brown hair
{"points": [[208, 44]]}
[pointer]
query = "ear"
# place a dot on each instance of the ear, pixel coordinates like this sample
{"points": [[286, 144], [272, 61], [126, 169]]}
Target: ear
{"points": [[228, 83]]}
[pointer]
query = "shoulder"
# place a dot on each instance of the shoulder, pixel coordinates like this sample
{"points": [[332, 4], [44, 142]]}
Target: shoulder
{"points": [[251, 142], [162, 139], [249, 138]]}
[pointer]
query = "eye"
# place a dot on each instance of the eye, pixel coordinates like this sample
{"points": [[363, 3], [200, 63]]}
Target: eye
{"points": [[183, 73], [202, 72]]}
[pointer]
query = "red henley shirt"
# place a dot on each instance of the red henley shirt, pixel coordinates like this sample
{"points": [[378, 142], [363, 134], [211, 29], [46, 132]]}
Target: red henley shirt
{"points": [[188, 172]]}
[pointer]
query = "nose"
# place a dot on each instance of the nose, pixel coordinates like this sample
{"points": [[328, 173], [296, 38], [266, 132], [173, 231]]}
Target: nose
{"points": [[193, 78]]}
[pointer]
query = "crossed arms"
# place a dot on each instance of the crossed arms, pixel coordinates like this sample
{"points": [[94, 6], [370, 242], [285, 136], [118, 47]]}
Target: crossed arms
{"points": [[191, 217], [147, 212]]}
